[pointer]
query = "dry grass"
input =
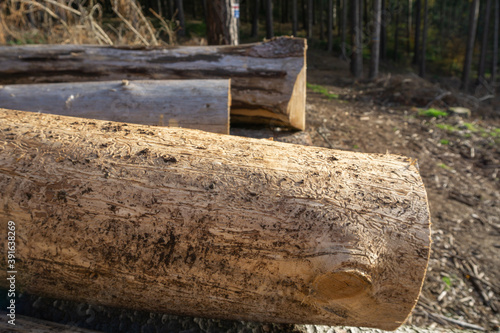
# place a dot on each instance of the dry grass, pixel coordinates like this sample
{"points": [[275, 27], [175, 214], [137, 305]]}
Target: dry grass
{"points": [[81, 22]]}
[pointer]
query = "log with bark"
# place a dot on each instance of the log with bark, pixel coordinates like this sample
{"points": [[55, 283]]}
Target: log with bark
{"points": [[197, 104], [268, 79], [195, 223]]}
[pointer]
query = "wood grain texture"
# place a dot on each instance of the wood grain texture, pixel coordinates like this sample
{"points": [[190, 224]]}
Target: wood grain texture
{"points": [[268, 79], [201, 224], [196, 104]]}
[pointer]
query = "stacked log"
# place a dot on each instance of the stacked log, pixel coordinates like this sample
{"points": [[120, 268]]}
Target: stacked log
{"points": [[196, 104], [268, 80]]}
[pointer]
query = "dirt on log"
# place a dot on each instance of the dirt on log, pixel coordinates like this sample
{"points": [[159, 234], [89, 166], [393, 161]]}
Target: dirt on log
{"points": [[268, 80], [202, 224]]}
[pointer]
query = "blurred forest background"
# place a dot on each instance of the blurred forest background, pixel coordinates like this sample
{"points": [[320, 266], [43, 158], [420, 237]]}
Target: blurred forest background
{"points": [[456, 38]]}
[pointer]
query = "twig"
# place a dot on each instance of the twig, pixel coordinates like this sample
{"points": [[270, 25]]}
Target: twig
{"points": [[482, 99], [131, 27], [325, 138], [438, 98], [457, 322], [146, 22], [45, 9]]}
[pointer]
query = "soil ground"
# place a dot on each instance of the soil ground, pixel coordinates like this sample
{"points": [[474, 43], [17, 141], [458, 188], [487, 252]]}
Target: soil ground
{"points": [[459, 160]]}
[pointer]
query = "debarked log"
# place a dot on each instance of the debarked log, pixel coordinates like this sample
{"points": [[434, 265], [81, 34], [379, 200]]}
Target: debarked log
{"points": [[196, 104], [202, 224], [268, 80]]}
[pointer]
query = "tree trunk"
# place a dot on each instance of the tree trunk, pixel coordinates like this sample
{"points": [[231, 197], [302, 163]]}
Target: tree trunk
{"points": [[294, 18], [268, 79], [408, 27], [310, 19], [357, 47], [222, 26], [255, 19], [473, 15], [375, 52], [197, 104], [396, 37], [495, 43], [201, 224], [321, 20], [343, 39], [330, 26], [269, 19], [416, 50], [180, 17], [383, 32], [424, 42], [484, 42]]}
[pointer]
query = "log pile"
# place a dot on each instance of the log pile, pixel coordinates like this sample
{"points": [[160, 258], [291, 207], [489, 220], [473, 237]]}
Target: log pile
{"points": [[195, 223], [268, 80]]}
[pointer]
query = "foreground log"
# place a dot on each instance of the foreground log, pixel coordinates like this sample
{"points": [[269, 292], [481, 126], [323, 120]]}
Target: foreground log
{"points": [[201, 224], [268, 79], [196, 104]]}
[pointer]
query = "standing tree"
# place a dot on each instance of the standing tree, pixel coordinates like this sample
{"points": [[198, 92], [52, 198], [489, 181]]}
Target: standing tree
{"points": [[408, 27], [357, 46], [344, 29], [375, 52], [222, 26], [383, 32], [294, 18], [269, 19], [180, 16], [424, 41], [255, 19], [484, 42], [495, 43], [310, 18], [416, 50], [396, 36], [330, 25], [471, 38]]}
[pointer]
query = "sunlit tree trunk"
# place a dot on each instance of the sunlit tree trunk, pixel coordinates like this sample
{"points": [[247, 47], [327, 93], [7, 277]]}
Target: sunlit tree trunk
{"points": [[221, 24], [471, 38], [484, 41]]}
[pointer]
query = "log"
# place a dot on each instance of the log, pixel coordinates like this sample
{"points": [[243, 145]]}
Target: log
{"points": [[197, 104], [194, 223], [268, 79]]}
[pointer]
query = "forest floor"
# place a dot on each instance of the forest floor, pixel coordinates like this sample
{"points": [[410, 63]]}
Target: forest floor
{"points": [[459, 160]]}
